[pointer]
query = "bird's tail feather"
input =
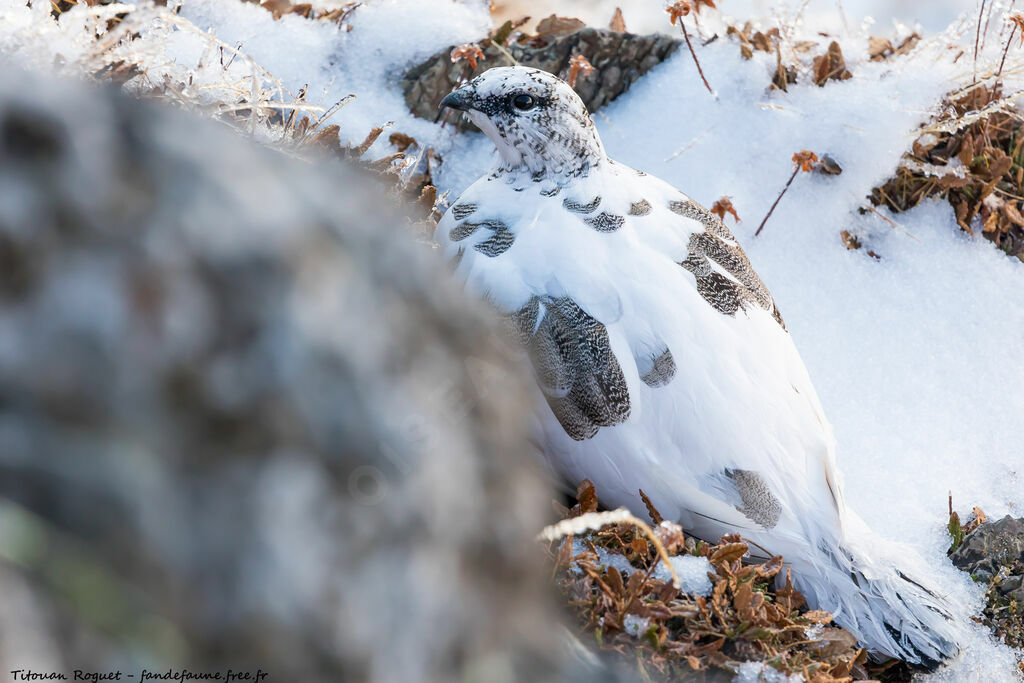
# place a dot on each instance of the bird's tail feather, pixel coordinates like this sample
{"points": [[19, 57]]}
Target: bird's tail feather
{"points": [[874, 589]]}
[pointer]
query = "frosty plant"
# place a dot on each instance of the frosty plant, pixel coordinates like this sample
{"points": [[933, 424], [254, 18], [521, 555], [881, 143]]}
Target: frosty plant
{"points": [[804, 160], [679, 10], [1016, 21]]}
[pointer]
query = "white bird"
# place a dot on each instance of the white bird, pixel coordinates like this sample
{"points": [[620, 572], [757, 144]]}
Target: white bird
{"points": [[664, 362]]}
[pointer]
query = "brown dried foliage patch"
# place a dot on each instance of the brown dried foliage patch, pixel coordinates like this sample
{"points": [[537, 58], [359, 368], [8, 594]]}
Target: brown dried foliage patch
{"points": [[831, 66], [338, 15], [745, 618], [978, 169], [415, 190]]}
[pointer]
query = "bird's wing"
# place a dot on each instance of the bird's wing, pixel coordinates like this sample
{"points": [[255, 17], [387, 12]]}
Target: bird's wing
{"points": [[655, 344]]}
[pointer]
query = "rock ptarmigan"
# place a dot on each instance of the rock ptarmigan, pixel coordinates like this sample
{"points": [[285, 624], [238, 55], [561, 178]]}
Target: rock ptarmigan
{"points": [[663, 361]]}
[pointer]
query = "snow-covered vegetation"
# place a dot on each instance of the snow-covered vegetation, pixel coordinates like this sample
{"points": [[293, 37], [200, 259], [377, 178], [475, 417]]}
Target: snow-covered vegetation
{"points": [[911, 326]]}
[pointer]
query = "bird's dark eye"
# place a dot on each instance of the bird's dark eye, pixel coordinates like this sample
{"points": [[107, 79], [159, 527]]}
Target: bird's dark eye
{"points": [[524, 102]]}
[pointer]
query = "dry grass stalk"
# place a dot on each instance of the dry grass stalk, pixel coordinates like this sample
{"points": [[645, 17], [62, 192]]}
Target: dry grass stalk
{"points": [[677, 11], [804, 160]]}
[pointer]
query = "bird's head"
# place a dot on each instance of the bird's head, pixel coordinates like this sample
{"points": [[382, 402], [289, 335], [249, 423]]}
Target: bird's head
{"points": [[538, 123]]}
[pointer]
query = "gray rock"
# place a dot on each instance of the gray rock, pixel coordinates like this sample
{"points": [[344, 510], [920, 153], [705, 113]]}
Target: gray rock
{"points": [[1010, 584], [619, 59], [989, 547], [244, 420]]}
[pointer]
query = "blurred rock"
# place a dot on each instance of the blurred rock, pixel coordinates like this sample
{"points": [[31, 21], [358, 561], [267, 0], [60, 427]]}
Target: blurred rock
{"points": [[244, 420], [619, 59]]}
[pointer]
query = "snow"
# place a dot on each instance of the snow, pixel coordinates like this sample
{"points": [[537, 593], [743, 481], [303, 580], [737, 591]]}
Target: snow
{"points": [[692, 571], [636, 626], [647, 16], [759, 672], [915, 356]]}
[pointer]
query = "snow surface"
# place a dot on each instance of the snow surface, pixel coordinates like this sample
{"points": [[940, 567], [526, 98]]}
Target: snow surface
{"points": [[636, 626], [692, 571], [646, 16], [759, 672], [915, 356]]}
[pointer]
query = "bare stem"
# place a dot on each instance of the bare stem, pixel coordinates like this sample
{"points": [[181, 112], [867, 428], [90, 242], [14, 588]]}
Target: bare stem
{"points": [[977, 38], [777, 200], [686, 35], [1005, 50], [988, 18], [1002, 24]]}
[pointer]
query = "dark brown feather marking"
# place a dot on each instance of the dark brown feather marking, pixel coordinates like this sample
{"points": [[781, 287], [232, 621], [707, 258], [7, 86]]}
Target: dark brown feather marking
{"points": [[662, 369], [759, 504], [640, 208], [717, 245], [711, 222], [498, 243], [460, 211], [462, 231], [574, 364], [577, 207], [605, 222]]}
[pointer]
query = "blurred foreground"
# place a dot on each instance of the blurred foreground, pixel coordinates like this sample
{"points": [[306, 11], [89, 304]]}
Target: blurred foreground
{"points": [[245, 421]]}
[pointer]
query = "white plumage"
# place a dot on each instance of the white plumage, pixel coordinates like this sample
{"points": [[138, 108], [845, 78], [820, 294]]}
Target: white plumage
{"points": [[662, 362]]}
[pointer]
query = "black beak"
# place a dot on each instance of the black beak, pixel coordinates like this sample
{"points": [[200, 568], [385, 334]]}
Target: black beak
{"points": [[457, 99]]}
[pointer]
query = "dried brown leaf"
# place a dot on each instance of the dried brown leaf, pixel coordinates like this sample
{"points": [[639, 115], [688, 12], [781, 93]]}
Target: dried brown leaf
{"points": [[671, 536], [770, 568], [402, 141], [652, 511], [1012, 213], [555, 25], [743, 597], [831, 65], [614, 580], [470, 52], [586, 494], [327, 137], [579, 65], [849, 240], [728, 552], [879, 48], [724, 206], [805, 159], [678, 10], [818, 616], [618, 23]]}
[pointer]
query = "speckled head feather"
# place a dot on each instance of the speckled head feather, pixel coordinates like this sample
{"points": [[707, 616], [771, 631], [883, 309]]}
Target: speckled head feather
{"points": [[538, 123]]}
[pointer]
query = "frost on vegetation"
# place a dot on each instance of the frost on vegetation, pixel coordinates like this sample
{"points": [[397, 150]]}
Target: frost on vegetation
{"points": [[237, 62], [635, 626], [622, 595], [129, 45]]}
